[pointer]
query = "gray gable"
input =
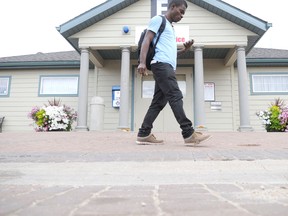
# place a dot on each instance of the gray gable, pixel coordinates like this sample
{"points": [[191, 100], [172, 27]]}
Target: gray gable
{"points": [[93, 16], [217, 7]]}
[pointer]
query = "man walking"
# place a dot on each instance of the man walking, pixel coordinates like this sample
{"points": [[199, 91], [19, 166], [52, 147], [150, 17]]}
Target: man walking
{"points": [[163, 67]]}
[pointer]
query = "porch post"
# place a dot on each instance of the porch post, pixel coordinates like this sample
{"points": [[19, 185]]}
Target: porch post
{"points": [[125, 85], [83, 91], [243, 90], [199, 107]]}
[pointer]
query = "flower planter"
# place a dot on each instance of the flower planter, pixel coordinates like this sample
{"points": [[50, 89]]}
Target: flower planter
{"points": [[53, 117], [275, 118]]}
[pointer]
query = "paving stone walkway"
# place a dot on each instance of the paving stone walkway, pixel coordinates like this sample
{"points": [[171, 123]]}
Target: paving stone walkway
{"points": [[93, 173]]}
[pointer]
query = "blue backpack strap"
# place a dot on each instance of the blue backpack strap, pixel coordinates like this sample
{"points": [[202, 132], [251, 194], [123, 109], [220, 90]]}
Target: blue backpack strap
{"points": [[163, 25], [161, 29]]}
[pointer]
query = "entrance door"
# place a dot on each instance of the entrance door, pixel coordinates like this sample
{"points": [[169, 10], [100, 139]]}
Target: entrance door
{"points": [[144, 89]]}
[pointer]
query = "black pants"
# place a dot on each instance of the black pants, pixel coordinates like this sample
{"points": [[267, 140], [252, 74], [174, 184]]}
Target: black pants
{"points": [[166, 90]]}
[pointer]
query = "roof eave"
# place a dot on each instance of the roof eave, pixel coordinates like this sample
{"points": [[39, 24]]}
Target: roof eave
{"points": [[40, 65], [88, 18], [238, 17], [217, 7], [226, 10], [260, 62]]}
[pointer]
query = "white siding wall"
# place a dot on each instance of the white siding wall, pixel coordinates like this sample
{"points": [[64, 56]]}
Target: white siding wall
{"points": [[24, 96], [108, 32], [25, 83], [256, 102], [211, 30], [262, 102], [221, 120], [108, 76], [205, 28]]}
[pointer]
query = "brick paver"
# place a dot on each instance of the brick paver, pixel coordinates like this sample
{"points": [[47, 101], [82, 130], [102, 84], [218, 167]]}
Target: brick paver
{"points": [[93, 173]]}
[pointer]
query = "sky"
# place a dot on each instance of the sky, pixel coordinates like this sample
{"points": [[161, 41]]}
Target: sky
{"points": [[29, 26]]}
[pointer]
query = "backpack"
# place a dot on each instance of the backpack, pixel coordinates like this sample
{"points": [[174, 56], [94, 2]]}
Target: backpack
{"points": [[151, 50]]}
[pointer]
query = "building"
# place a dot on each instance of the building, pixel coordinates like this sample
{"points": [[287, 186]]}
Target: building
{"points": [[223, 78]]}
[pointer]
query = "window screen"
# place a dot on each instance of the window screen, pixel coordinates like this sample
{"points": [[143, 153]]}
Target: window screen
{"points": [[270, 83]]}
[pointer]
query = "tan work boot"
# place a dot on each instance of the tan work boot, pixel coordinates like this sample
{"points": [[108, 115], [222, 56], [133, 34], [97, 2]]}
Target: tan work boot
{"points": [[196, 138], [148, 140]]}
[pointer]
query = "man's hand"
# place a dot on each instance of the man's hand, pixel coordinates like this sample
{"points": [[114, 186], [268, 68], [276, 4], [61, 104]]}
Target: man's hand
{"points": [[188, 44], [142, 69]]}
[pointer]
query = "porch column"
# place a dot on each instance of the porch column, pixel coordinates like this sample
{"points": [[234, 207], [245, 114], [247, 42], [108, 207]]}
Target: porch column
{"points": [[125, 85], [83, 91], [199, 107], [243, 91]]}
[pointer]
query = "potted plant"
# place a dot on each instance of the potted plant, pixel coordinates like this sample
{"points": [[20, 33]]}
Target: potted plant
{"points": [[275, 118], [53, 117]]}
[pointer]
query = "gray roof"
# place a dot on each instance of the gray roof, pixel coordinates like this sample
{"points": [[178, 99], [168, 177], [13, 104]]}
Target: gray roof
{"points": [[264, 53], [67, 59], [267, 57], [54, 56], [217, 7]]}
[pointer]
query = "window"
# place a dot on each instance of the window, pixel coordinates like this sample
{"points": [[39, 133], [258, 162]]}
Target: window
{"points": [[148, 85], [269, 83], [4, 86], [58, 85]]}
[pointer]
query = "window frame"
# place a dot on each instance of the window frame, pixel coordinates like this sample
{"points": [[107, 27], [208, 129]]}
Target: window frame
{"points": [[266, 92], [8, 86], [40, 88]]}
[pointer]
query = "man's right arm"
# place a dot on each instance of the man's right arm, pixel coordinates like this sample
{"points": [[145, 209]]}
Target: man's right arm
{"points": [[144, 50]]}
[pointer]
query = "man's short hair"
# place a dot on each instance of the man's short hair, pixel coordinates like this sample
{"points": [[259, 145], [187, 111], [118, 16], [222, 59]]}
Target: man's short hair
{"points": [[177, 3]]}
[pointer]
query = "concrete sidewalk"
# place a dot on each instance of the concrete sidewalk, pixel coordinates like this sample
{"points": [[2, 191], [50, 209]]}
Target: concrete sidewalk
{"points": [[92, 173]]}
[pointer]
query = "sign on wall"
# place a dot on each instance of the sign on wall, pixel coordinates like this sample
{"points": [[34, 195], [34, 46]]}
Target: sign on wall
{"points": [[116, 96], [209, 91], [159, 7]]}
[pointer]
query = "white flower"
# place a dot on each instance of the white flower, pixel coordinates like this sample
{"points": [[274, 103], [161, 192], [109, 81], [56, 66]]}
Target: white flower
{"points": [[53, 117], [66, 120], [58, 119], [266, 122]]}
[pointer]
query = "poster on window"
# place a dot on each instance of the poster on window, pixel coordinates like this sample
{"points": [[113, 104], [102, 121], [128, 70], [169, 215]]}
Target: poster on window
{"points": [[209, 91]]}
